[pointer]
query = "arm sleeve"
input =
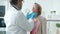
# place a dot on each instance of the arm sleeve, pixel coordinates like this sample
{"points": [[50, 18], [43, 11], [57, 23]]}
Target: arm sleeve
{"points": [[22, 22]]}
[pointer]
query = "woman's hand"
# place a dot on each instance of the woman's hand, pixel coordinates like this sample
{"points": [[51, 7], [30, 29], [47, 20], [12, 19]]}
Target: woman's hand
{"points": [[35, 19]]}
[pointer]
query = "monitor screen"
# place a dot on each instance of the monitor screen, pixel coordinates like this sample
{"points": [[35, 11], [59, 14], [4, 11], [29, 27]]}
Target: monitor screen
{"points": [[2, 11]]}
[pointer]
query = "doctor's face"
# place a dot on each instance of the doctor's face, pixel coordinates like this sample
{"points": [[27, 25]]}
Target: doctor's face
{"points": [[19, 3]]}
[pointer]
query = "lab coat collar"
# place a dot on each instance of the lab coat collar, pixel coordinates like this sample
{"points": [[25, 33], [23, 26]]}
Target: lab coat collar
{"points": [[14, 7]]}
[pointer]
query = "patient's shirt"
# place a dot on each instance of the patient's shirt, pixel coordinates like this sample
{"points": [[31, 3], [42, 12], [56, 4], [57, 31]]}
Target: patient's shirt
{"points": [[35, 27]]}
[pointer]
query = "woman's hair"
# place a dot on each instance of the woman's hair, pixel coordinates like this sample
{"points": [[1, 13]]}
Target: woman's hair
{"points": [[14, 1], [39, 9]]}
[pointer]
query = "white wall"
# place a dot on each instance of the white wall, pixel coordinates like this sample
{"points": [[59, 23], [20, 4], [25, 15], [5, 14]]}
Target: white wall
{"points": [[57, 6]]}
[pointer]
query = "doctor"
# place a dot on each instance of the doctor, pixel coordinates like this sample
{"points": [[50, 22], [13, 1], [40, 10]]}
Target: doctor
{"points": [[16, 23]]}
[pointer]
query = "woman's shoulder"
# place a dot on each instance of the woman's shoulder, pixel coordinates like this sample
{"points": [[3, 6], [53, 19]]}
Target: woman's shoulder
{"points": [[42, 18]]}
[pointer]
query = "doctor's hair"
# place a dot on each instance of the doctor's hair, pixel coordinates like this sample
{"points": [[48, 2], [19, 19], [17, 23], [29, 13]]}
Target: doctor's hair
{"points": [[14, 2]]}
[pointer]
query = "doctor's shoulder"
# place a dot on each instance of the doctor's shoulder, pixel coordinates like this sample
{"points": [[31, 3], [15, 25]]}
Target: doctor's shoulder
{"points": [[19, 14]]}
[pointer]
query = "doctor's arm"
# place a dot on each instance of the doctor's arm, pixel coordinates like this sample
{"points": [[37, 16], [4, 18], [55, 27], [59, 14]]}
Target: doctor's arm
{"points": [[23, 23]]}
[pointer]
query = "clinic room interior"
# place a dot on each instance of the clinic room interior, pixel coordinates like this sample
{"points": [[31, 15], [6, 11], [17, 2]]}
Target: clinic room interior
{"points": [[48, 17]]}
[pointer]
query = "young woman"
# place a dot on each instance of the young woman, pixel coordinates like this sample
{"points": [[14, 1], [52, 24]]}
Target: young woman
{"points": [[39, 21]]}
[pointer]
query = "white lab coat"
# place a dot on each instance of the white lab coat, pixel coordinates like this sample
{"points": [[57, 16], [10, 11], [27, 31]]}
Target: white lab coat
{"points": [[16, 23]]}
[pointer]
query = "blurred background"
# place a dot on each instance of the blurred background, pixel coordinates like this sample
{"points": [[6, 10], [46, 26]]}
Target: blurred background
{"points": [[50, 10]]}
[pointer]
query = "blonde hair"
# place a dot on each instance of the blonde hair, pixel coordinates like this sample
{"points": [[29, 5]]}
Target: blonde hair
{"points": [[39, 8]]}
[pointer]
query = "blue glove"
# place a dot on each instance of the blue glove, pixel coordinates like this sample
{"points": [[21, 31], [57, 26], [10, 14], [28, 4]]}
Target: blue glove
{"points": [[31, 15], [28, 15]]}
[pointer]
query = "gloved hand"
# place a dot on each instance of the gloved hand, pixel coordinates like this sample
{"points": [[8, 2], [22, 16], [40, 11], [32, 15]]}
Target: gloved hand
{"points": [[31, 15], [28, 15]]}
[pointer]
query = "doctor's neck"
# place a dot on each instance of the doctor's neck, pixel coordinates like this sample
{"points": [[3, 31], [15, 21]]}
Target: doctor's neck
{"points": [[16, 4]]}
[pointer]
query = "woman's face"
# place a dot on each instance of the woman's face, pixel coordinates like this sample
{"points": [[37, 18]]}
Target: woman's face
{"points": [[35, 9]]}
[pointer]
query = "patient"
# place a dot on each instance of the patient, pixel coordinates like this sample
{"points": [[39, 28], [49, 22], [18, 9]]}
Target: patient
{"points": [[39, 21]]}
